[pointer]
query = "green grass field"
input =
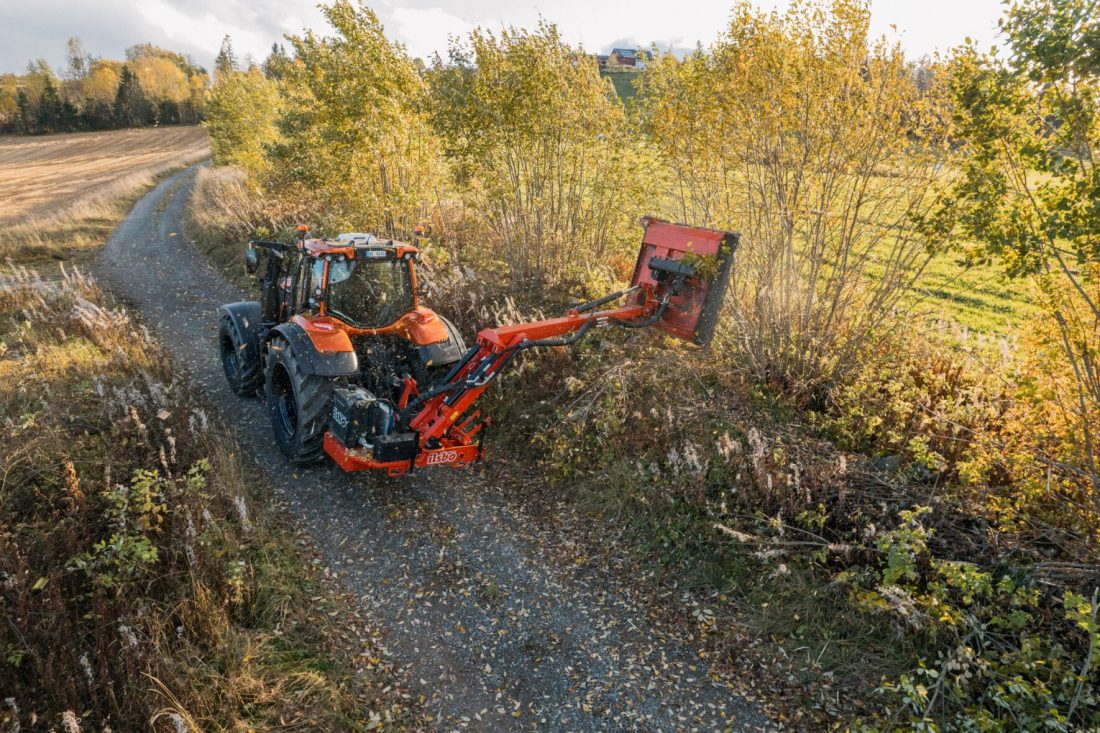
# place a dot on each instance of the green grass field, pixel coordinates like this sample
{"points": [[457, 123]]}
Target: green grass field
{"points": [[978, 298], [625, 83]]}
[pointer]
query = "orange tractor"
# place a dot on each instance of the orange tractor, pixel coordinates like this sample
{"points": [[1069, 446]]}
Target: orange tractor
{"points": [[353, 366]]}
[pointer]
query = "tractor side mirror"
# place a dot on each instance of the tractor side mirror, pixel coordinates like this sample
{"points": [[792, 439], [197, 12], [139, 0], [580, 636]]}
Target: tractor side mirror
{"points": [[251, 259]]}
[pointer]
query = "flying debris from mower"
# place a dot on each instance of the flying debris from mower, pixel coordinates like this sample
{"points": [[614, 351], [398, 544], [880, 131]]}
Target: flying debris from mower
{"points": [[353, 366]]}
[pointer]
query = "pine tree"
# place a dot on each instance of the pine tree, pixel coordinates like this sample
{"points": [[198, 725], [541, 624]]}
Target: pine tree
{"points": [[25, 122], [168, 112], [49, 107], [226, 62], [276, 63], [69, 119], [131, 107], [97, 115]]}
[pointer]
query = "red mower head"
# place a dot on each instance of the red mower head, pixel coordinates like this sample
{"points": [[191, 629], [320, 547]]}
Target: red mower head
{"points": [[695, 263]]}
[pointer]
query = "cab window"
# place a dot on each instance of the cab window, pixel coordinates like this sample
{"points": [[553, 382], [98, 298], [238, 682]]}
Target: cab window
{"points": [[369, 293]]}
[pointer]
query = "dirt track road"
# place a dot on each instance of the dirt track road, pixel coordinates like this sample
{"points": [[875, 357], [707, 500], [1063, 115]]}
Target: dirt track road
{"points": [[495, 629]]}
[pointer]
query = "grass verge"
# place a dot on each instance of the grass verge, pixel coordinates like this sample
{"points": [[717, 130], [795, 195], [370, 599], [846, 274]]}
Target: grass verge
{"points": [[217, 217], [74, 234], [147, 579]]}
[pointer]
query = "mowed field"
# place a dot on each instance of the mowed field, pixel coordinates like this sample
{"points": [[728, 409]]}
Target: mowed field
{"points": [[44, 176], [61, 195]]}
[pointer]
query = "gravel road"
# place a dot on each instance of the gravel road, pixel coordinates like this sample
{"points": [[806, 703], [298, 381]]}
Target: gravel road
{"points": [[496, 629]]}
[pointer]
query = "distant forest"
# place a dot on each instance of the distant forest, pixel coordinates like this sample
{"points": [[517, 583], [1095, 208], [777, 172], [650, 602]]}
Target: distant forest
{"points": [[152, 86]]}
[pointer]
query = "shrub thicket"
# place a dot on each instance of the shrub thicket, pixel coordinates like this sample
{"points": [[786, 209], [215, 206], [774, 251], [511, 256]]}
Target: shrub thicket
{"points": [[821, 147], [833, 156], [353, 137], [540, 152]]}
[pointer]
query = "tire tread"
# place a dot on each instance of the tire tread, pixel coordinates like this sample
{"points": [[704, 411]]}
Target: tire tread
{"points": [[313, 397]]}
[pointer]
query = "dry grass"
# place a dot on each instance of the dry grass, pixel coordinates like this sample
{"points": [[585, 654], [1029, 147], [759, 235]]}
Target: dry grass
{"points": [[221, 217], [145, 581], [44, 177], [223, 214], [61, 195]]}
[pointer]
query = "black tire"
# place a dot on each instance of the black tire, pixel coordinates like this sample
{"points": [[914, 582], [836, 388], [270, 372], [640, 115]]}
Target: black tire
{"points": [[240, 361], [299, 403]]}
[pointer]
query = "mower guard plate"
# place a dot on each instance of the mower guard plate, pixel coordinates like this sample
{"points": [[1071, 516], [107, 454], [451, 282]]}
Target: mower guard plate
{"points": [[692, 313]]}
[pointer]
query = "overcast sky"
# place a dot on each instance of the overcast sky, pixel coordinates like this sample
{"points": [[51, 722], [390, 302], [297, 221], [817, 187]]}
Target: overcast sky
{"points": [[38, 28]]}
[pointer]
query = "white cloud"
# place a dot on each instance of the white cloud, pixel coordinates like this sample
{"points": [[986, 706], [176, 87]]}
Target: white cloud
{"points": [[204, 31], [424, 31], [34, 28]]}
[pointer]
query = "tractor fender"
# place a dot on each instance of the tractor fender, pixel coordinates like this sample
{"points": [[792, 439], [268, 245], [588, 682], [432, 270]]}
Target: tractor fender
{"points": [[246, 320], [342, 363], [444, 352]]}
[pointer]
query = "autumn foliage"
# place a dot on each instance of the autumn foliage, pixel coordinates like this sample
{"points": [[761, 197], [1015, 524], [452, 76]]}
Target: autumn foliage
{"points": [[963, 517]]}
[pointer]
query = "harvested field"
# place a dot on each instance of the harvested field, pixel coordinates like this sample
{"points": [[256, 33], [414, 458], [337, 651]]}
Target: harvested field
{"points": [[45, 176], [61, 195]]}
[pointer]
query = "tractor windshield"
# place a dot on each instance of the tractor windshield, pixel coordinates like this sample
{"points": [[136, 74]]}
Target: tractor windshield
{"points": [[369, 294]]}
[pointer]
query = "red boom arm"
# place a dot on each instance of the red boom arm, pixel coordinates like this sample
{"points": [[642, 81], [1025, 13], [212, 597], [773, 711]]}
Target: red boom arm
{"points": [[495, 348], [665, 292]]}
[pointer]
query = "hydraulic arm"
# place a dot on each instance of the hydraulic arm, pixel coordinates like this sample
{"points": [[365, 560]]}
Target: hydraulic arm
{"points": [[678, 286]]}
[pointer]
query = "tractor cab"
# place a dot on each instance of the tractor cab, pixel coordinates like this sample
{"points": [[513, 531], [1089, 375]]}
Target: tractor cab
{"points": [[356, 294], [366, 286], [356, 279]]}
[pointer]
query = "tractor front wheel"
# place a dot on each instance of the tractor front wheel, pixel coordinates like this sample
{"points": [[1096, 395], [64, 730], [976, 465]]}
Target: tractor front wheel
{"points": [[239, 360], [299, 403]]}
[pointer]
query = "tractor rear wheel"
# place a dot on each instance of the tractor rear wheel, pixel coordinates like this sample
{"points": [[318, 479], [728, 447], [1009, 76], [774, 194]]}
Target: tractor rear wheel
{"points": [[299, 403], [239, 360]]}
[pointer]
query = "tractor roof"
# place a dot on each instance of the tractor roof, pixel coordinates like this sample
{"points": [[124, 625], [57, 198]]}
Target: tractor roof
{"points": [[348, 246]]}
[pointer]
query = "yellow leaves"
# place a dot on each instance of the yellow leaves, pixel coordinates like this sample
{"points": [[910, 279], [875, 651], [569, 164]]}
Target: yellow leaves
{"points": [[241, 119], [541, 148], [101, 83], [72, 482], [161, 79], [352, 132]]}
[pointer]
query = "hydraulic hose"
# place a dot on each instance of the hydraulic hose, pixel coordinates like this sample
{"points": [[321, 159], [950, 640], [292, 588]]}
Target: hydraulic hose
{"points": [[645, 322], [593, 304], [525, 344], [478, 379]]}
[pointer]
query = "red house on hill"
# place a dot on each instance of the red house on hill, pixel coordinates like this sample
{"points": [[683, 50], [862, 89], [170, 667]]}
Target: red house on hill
{"points": [[629, 58]]}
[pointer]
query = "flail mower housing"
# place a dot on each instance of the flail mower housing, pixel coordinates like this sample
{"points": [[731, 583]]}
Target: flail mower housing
{"points": [[354, 366]]}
